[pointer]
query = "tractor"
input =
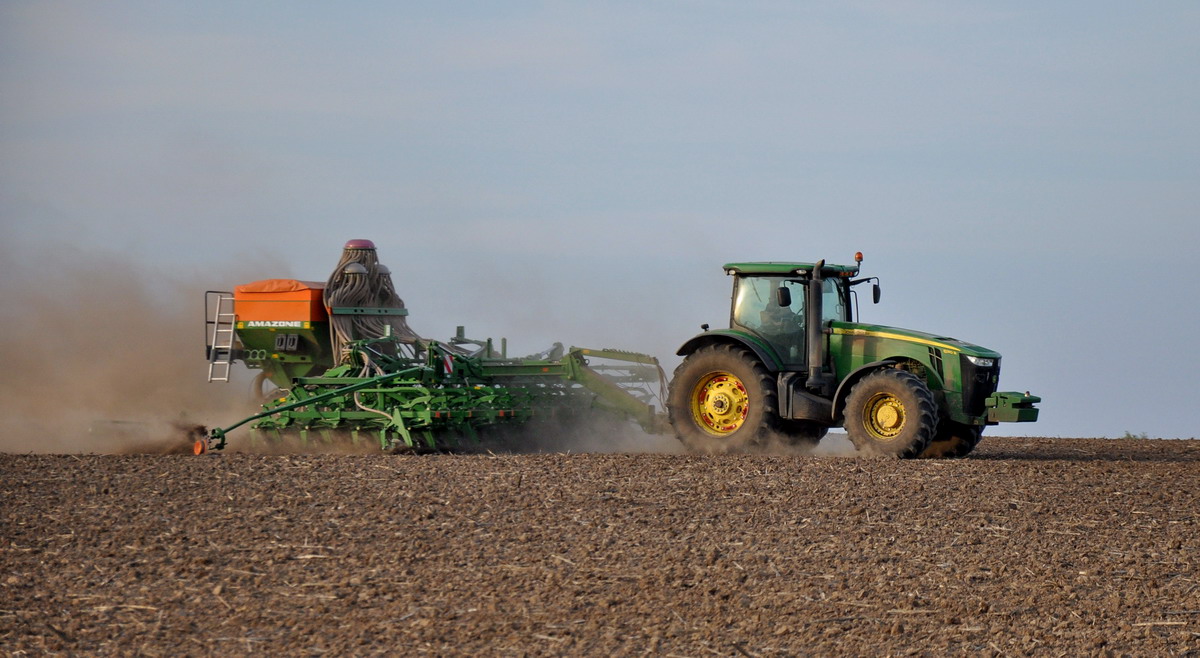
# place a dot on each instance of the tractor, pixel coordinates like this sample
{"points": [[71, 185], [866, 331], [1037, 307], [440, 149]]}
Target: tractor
{"points": [[795, 362]]}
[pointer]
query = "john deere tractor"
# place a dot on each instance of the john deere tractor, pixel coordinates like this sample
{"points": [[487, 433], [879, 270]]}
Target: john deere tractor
{"points": [[794, 362]]}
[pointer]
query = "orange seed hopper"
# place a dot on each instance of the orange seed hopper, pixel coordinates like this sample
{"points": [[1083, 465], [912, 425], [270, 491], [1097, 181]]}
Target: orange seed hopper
{"points": [[280, 300]]}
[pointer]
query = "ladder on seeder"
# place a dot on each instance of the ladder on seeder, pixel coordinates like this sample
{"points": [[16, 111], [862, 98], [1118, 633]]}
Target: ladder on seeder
{"points": [[219, 329]]}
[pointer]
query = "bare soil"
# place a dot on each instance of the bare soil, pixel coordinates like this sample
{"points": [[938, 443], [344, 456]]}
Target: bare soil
{"points": [[1028, 547]]}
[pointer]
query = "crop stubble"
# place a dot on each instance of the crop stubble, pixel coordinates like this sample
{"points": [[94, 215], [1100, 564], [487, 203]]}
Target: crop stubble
{"points": [[1029, 547]]}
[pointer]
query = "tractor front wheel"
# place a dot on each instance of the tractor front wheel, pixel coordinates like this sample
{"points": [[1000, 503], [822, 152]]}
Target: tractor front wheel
{"points": [[722, 400], [891, 413]]}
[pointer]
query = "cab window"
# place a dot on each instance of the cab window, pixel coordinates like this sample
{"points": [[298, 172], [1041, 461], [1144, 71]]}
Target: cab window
{"points": [[833, 302]]}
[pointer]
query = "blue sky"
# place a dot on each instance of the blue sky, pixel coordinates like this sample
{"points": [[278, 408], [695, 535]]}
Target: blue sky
{"points": [[1021, 175]]}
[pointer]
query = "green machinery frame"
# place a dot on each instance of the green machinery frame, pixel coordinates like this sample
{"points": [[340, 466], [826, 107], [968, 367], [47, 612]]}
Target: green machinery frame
{"points": [[442, 398]]}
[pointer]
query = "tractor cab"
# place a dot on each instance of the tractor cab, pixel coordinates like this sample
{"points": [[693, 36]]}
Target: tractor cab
{"points": [[773, 308], [776, 301]]}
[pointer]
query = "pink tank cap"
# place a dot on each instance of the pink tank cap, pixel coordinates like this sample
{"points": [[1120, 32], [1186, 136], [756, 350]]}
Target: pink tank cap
{"points": [[359, 244]]}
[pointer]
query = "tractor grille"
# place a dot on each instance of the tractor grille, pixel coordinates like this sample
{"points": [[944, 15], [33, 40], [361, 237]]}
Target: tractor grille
{"points": [[978, 383]]}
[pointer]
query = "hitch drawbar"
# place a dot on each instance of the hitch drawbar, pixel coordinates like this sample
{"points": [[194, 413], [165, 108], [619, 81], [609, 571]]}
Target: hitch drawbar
{"points": [[1012, 407]]}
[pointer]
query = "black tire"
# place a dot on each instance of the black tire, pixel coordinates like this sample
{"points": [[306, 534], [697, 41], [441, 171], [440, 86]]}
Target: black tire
{"points": [[801, 433], [953, 440], [891, 413], [722, 400]]}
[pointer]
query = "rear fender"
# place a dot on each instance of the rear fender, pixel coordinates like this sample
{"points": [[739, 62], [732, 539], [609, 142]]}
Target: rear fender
{"points": [[729, 337]]}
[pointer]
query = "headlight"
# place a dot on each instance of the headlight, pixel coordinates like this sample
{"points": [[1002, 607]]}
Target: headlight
{"points": [[980, 362]]}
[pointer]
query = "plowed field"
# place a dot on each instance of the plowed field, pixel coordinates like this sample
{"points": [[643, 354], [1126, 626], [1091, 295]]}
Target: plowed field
{"points": [[1028, 547]]}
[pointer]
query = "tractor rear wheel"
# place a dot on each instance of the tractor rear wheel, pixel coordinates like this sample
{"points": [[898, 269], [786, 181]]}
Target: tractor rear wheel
{"points": [[953, 440], [722, 400], [891, 412]]}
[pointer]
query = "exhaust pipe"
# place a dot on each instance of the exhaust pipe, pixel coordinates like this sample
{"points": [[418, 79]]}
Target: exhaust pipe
{"points": [[818, 379]]}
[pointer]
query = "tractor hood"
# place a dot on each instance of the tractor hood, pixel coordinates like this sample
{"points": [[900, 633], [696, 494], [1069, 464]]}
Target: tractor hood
{"points": [[944, 343]]}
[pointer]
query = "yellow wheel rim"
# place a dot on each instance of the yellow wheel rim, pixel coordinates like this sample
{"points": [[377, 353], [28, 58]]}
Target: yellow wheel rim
{"points": [[883, 416], [720, 403]]}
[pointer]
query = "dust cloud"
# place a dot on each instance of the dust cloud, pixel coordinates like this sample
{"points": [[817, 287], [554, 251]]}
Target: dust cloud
{"points": [[599, 433], [104, 356], [604, 433]]}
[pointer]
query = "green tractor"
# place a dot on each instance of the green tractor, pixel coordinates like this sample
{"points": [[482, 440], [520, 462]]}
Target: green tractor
{"points": [[794, 362]]}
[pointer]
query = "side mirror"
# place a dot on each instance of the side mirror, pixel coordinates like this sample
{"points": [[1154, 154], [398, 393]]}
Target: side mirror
{"points": [[875, 292], [783, 296]]}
